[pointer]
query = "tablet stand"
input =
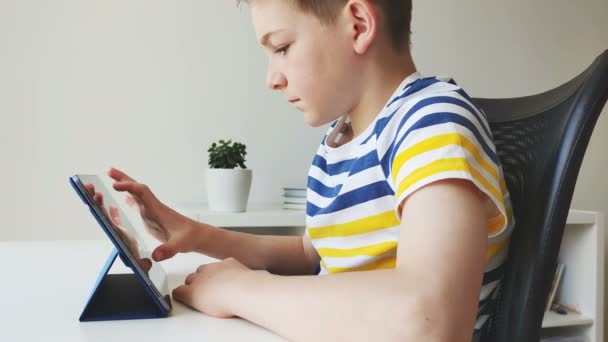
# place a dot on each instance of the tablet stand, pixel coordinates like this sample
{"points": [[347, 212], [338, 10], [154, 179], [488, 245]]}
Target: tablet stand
{"points": [[119, 296]]}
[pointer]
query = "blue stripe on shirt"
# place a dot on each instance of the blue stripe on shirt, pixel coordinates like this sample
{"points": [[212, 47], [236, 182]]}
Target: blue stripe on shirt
{"points": [[357, 196], [354, 166], [322, 189], [335, 168], [436, 100], [416, 86]]}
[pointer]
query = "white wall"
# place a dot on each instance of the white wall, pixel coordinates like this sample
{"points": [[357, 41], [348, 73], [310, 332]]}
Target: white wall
{"points": [[147, 85], [142, 85], [516, 48]]}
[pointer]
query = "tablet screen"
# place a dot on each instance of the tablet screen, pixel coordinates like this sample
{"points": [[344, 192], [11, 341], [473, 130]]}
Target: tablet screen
{"points": [[131, 231]]}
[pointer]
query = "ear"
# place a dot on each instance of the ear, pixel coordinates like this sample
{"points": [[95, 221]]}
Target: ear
{"points": [[363, 24]]}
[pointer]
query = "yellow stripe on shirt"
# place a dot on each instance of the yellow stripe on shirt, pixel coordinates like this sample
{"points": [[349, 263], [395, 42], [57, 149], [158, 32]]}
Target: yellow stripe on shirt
{"points": [[380, 264], [437, 142], [371, 250], [496, 224], [503, 185], [365, 225], [447, 165]]}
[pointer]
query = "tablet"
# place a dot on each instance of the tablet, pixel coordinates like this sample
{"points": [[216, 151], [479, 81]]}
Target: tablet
{"points": [[132, 242]]}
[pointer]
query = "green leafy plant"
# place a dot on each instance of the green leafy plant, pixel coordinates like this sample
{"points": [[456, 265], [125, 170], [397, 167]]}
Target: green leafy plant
{"points": [[227, 155]]}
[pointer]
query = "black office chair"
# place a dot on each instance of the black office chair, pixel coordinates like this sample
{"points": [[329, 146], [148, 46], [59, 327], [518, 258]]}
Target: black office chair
{"points": [[541, 141]]}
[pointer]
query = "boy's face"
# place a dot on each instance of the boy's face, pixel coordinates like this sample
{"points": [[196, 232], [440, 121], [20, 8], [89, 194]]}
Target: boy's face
{"points": [[313, 65]]}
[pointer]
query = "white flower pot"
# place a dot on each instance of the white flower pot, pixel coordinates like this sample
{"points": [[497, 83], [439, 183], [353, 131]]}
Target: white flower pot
{"points": [[228, 189]]}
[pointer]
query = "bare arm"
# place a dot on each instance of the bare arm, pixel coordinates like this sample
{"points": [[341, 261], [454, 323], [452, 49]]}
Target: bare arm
{"points": [[432, 295], [283, 255]]}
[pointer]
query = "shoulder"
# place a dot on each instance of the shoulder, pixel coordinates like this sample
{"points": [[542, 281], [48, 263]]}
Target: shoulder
{"points": [[429, 107], [421, 98], [429, 96]]}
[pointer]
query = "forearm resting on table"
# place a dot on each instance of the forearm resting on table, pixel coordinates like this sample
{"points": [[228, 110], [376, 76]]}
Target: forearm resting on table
{"points": [[382, 305], [283, 255]]}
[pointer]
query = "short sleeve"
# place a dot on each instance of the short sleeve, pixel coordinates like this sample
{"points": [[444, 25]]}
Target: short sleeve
{"points": [[449, 141]]}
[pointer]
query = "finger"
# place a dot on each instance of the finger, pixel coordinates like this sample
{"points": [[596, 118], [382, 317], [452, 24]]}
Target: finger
{"points": [[183, 294], [135, 189], [165, 251], [90, 188], [98, 197], [118, 175], [146, 264], [190, 278], [200, 268], [122, 232], [115, 216]]}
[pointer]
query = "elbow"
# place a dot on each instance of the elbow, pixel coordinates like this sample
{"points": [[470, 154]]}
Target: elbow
{"points": [[429, 319]]}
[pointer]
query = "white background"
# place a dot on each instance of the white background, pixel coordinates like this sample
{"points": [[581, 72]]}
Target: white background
{"points": [[146, 86]]}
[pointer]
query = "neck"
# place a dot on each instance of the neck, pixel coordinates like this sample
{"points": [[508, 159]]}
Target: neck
{"points": [[384, 77]]}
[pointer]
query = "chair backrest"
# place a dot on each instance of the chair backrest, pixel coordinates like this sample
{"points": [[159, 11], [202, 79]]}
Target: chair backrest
{"points": [[541, 141]]}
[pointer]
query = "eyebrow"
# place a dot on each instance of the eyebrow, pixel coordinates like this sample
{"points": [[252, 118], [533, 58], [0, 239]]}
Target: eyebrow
{"points": [[266, 37]]}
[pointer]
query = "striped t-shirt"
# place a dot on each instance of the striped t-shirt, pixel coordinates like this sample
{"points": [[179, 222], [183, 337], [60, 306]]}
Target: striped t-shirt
{"points": [[429, 130]]}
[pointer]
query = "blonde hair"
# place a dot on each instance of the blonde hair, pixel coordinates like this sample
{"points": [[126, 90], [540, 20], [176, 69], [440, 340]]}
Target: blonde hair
{"points": [[398, 14]]}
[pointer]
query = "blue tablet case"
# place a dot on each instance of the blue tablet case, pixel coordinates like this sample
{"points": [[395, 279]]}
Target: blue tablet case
{"points": [[119, 296]]}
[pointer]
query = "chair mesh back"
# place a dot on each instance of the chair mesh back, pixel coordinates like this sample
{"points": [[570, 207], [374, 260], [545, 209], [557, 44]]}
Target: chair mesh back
{"points": [[540, 141], [525, 148], [517, 145]]}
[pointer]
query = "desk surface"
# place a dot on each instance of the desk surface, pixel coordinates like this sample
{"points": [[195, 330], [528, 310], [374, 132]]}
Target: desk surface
{"points": [[45, 285]]}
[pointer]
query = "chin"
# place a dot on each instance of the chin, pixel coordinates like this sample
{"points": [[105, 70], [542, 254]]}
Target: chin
{"points": [[316, 120], [312, 120]]}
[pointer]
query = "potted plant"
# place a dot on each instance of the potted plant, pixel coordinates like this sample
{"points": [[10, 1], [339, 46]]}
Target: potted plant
{"points": [[228, 186]]}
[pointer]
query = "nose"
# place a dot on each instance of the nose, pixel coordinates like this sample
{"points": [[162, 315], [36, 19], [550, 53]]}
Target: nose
{"points": [[276, 80]]}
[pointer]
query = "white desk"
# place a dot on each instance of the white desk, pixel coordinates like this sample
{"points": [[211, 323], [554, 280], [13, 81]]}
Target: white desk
{"points": [[44, 287]]}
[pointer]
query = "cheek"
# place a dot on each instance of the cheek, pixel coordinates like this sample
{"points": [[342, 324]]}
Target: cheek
{"points": [[317, 88], [336, 89], [324, 77], [303, 74]]}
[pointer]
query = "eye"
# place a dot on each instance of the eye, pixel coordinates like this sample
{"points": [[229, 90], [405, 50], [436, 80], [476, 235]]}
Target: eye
{"points": [[282, 50]]}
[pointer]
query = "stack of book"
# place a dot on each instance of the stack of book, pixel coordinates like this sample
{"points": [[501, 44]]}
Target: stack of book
{"points": [[557, 277], [294, 198]]}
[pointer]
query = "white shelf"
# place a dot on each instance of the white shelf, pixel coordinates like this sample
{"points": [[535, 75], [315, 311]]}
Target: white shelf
{"points": [[582, 285], [581, 217], [553, 320], [257, 215]]}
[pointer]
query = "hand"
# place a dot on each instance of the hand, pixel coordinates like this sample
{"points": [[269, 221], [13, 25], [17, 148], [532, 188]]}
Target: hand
{"points": [[174, 230], [210, 289], [128, 239], [144, 263]]}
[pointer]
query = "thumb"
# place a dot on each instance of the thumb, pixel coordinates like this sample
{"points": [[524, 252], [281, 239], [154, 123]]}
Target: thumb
{"points": [[165, 251], [183, 294], [146, 264]]}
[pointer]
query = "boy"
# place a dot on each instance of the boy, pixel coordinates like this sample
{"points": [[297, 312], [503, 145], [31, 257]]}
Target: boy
{"points": [[408, 214]]}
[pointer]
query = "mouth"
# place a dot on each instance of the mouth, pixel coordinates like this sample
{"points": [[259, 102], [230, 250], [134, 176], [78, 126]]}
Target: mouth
{"points": [[294, 100]]}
